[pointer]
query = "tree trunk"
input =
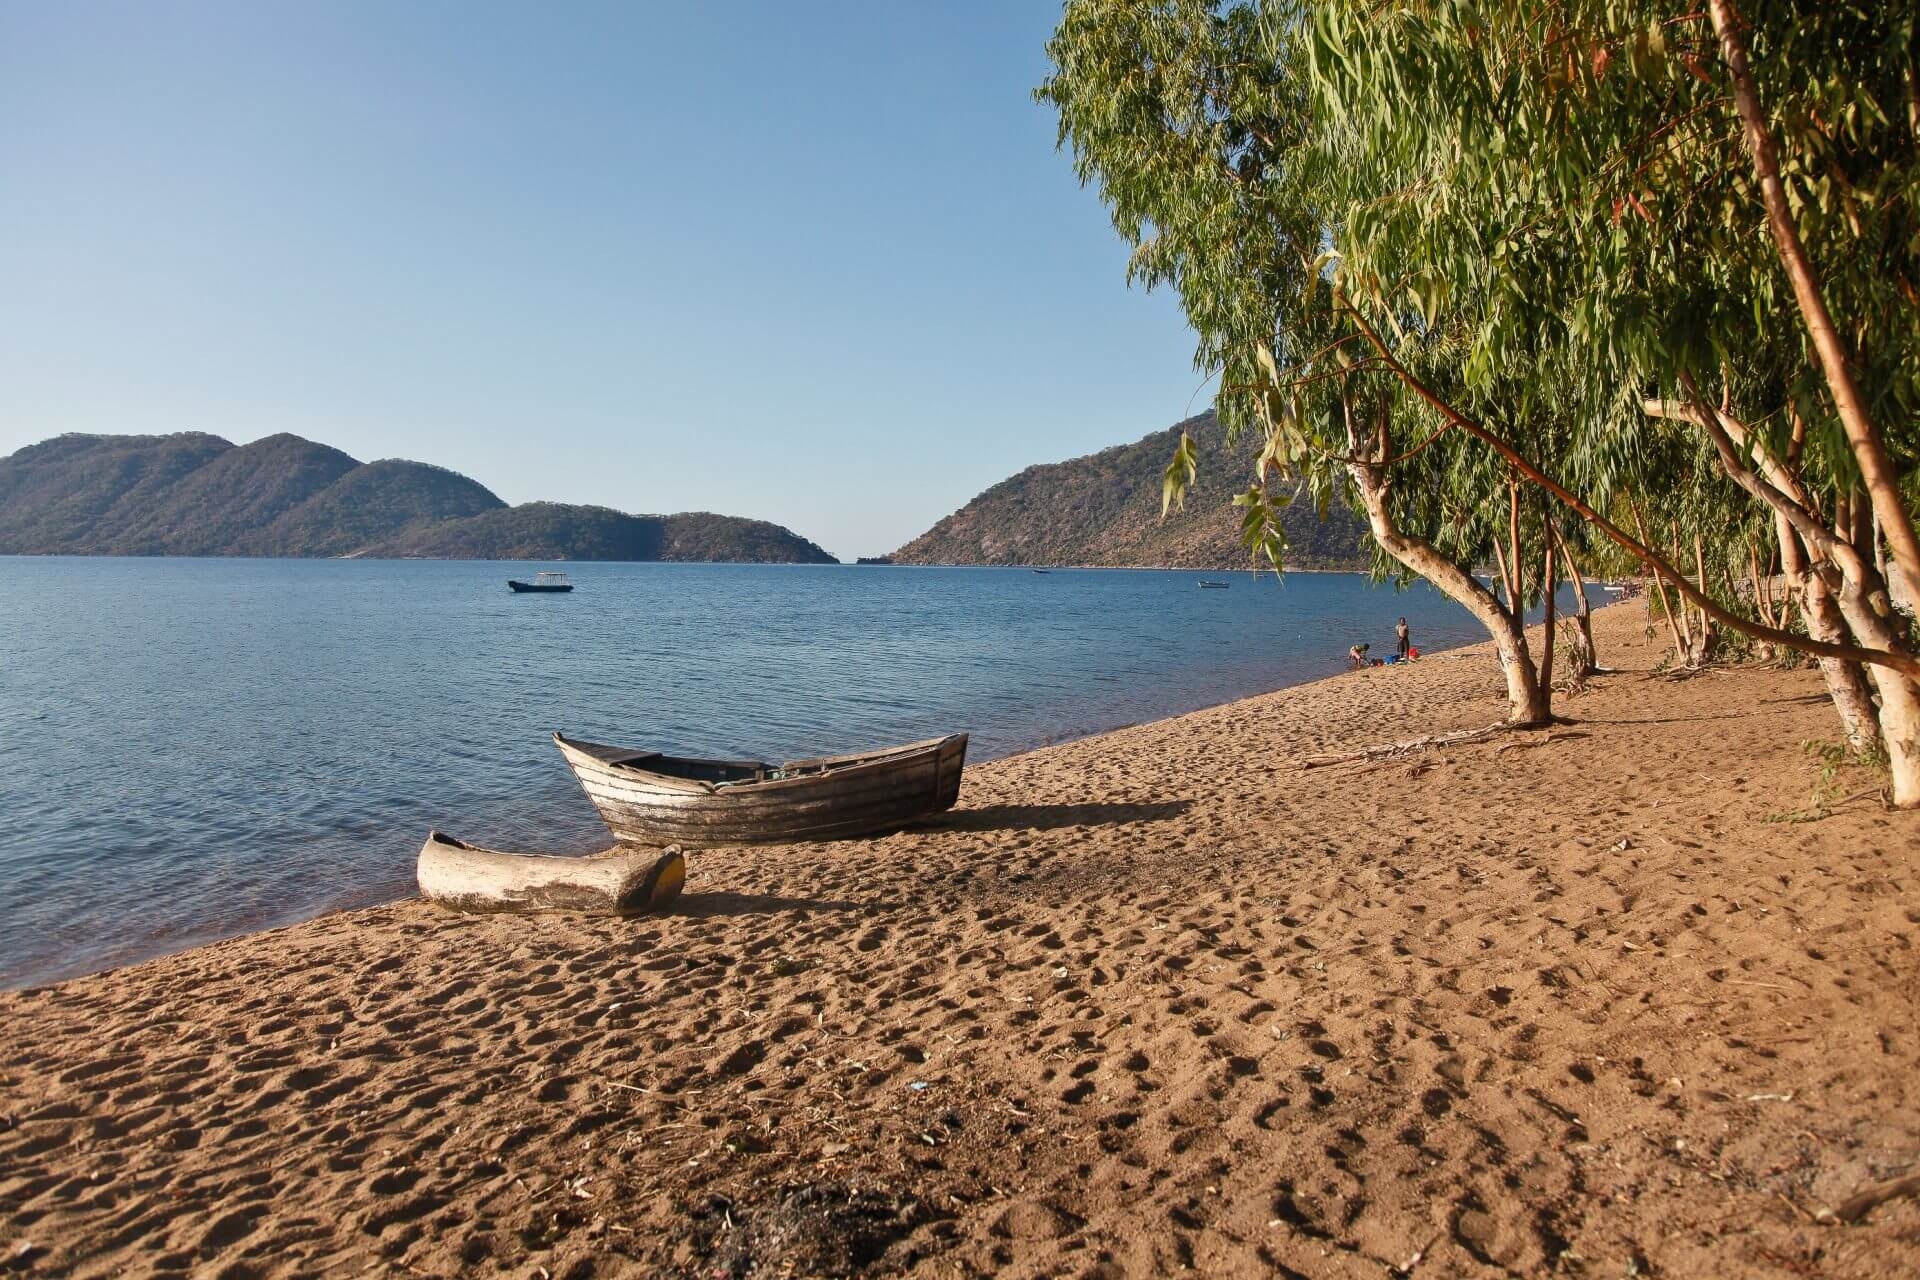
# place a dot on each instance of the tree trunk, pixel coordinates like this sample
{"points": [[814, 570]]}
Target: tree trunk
{"points": [[1899, 692], [1900, 728], [1660, 588], [1762, 599], [1846, 681], [1688, 655], [1900, 661], [1527, 702], [1846, 572], [1876, 468], [1709, 638], [1587, 661], [1547, 601]]}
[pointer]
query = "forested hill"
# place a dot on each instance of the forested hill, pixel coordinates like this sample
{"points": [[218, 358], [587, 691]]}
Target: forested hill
{"points": [[1104, 509], [198, 495]]}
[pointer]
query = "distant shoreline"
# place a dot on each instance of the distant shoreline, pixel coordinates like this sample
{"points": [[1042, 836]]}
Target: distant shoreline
{"points": [[797, 564]]}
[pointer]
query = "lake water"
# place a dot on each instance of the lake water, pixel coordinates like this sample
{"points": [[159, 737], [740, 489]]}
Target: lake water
{"points": [[194, 748]]}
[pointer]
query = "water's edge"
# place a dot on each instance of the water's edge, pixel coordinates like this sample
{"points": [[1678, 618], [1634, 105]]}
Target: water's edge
{"points": [[282, 733]]}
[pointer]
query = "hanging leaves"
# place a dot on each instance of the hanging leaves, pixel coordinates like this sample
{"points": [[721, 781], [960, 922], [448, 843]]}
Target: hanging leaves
{"points": [[1180, 476]]}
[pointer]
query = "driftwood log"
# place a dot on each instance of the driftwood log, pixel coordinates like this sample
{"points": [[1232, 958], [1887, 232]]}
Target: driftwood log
{"points": [[621, 881]]}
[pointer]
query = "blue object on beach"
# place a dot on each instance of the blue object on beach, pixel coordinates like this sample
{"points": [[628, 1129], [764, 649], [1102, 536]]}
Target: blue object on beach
{"points": [[1393, 657]]}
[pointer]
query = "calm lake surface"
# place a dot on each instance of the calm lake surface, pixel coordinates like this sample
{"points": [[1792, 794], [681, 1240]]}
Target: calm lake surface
{"points": [[194, 748]]}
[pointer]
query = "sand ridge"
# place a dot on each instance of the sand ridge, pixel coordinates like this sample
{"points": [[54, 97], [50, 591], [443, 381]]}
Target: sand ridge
{"points": [[1149, 1001]]}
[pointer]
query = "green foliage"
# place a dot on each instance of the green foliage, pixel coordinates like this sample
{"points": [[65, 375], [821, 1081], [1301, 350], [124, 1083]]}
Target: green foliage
{"points": [[1181, 472], [1547, 213], [1836, 762], [1573, 176]]}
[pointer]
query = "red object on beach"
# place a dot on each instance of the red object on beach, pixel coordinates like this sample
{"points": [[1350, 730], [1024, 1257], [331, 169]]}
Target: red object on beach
{"points": [[1412, 652]]}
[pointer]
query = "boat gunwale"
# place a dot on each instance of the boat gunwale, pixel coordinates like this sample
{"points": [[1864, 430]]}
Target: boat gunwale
{"points": [[829, 768]]}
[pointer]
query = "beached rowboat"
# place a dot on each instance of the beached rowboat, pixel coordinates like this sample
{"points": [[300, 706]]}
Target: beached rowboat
{"points": [[649, 798], [620, 881]]}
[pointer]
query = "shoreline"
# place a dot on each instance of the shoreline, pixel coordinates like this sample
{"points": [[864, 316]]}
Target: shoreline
{"points": [[1149, 999], [399, 887]]}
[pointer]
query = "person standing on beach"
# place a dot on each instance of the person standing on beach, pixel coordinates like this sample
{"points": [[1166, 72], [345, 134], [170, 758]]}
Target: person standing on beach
{"points": [[1406, 638]]}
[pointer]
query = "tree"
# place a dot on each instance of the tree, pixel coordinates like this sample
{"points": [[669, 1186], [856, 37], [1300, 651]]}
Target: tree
{"points": [[1648, 190], [1565, 236], [1195, 123]]}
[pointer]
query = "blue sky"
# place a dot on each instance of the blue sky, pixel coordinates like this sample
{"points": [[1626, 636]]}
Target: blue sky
{"points": [[818, 263]]}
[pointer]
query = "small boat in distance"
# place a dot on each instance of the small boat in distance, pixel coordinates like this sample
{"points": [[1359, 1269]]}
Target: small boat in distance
{"points": [[1043, 571], [646, 797], [1215, 584], [545, 580]]}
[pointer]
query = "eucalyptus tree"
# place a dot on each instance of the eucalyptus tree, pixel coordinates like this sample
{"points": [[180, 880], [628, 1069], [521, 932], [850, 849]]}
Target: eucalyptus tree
{"points": [[1663, 191], [1195, 121]]}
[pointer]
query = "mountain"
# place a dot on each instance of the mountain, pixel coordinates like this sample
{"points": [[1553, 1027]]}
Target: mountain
{"points": [[81, 494], [1104, 509], [558, 530], [372, 504], [196, 494], [226, 503]]}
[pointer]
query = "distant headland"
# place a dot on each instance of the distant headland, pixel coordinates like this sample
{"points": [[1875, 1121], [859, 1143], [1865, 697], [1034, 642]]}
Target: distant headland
{"points": [[193, 494], [1104, 510]]}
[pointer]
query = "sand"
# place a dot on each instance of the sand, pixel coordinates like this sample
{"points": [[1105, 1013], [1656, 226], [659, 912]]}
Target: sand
{"points": [[1149, 1001]]}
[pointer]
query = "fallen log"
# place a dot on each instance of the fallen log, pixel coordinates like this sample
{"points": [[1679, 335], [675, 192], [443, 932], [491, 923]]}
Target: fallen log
{"points": [[1392, 749], [620, 881]]}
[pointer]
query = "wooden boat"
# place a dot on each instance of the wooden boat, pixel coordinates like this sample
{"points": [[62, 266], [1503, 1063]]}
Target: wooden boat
{"points": [[620, 881], [649, 798], [547, 580], [1214, 584]]}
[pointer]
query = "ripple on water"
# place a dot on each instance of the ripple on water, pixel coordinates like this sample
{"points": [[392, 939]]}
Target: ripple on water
{"points": [[192, 748]]}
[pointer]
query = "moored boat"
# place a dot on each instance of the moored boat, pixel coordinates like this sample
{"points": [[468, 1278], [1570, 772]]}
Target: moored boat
{"points": [[545, 580], [1214, 584], [646, 797], [620, 881]]}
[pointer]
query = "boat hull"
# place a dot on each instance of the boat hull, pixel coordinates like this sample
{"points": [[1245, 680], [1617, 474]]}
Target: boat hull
{"points": [[535, 588], [850, 796]]}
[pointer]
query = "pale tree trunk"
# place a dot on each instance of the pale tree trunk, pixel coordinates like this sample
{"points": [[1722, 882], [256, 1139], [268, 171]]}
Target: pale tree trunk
{"points": [[1660, 588], [1899, 692], [1853, 583], [1546, 643], [1846, 681], [1689, 656], [1709, 638], [1762, 593], [1876, 468], [1527, 702], [1587, 661]]}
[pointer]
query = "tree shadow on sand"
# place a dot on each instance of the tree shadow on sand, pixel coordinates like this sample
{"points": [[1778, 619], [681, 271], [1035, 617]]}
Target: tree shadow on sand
{"points": [[1051, 817]]}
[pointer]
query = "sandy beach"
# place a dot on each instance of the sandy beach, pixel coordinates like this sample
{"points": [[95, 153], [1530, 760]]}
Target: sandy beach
{"points": [[1589, 1002]]}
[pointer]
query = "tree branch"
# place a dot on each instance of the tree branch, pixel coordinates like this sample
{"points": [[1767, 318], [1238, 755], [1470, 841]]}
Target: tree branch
{"points": [[1901, 662], [1876, 468]]}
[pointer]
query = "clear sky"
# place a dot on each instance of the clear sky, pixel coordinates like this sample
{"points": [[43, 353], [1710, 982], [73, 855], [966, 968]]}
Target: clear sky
{"points": [[818, 263]]}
